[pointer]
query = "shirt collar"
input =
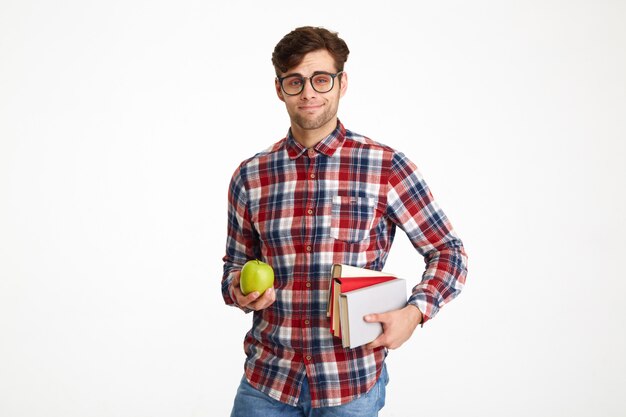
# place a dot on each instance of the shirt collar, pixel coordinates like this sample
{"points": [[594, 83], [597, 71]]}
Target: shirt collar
{"points": [[326, 146]]}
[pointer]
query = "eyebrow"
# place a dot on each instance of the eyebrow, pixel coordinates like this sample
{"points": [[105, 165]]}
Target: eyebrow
{"points": [[300, 75]]}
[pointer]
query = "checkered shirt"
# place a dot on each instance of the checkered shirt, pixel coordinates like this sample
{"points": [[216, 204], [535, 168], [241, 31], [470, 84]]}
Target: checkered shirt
{"points": [[302, 210]]}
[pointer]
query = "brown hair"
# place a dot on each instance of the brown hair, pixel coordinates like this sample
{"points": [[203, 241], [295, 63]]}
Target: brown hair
{"points": [[292, 48]]}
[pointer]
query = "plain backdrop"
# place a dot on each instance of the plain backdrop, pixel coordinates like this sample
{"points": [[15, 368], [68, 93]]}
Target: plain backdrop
{"points": [[122, 121]]}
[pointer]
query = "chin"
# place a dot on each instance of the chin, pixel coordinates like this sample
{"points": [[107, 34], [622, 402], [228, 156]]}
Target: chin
{"points": [[312, 124]]}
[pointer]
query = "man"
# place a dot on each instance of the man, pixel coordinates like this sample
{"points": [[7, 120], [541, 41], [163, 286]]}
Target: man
{"points": [[325, 195]]}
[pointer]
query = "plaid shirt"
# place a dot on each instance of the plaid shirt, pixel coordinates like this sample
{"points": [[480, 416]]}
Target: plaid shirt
{"points": [[301, 210]]}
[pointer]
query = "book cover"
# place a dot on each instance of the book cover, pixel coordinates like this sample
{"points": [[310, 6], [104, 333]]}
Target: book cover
{"points": [[348, 278], [354, 305]]}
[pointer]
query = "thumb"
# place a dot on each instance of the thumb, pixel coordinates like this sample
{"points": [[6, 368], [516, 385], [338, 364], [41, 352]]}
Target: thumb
{"points": [[373, 318]]}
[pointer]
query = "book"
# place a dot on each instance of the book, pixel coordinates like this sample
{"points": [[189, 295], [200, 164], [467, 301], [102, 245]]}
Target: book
{"points": [[348, 278], [353, 305], [355, 292]]}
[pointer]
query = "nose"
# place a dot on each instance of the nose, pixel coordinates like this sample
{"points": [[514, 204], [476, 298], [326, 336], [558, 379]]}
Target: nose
{"points": [[308, 91]]}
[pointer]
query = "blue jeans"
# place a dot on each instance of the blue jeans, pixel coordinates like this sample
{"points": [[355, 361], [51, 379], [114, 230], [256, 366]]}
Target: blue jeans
{"points": [[250, 402]]}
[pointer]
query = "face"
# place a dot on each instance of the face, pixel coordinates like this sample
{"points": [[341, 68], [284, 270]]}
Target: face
{"points": [[311, 111]]}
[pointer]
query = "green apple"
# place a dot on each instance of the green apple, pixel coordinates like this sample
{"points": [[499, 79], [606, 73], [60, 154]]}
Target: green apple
{"points": [[256, 276]]}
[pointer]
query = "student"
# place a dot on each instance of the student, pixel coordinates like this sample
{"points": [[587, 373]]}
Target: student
{"points": [[319, 196]]}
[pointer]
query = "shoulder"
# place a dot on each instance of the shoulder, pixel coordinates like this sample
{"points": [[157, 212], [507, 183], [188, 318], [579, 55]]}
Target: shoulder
{"points": [[364, 143], [252, 163], [246, 175], [395, 160], [356, 140]]}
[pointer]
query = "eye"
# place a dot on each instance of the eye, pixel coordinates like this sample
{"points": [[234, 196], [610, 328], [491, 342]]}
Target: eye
{"points": [[321, 79], [293, 81]]}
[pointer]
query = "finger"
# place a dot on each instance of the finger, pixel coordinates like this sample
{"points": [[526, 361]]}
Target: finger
{"points": [[370, 318], [247, 300], [379, 341], [269, 295], [267, 299], [375, 318]]}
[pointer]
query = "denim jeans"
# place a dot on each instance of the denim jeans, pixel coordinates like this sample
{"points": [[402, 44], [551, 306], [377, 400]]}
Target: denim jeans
{"points": [[249, 402]]}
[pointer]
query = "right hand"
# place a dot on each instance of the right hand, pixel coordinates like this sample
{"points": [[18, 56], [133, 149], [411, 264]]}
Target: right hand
{"points": [[252, 301]]}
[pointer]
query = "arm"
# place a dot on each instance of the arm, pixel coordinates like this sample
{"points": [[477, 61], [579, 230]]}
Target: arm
{"points": [[242, 244], [412, 208]]}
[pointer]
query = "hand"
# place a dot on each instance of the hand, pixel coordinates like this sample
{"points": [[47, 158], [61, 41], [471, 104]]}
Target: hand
{"points": [[398, 326], [252, 301]]}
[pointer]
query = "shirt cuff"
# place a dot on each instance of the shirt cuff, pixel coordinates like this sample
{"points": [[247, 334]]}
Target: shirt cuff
{"points": [[229, 296]]}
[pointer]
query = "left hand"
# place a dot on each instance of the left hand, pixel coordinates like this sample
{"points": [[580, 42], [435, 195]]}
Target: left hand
{"points": [[398, 326]]}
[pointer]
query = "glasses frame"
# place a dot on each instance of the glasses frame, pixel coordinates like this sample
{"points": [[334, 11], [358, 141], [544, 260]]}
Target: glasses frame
{"points": [[332, 77]]}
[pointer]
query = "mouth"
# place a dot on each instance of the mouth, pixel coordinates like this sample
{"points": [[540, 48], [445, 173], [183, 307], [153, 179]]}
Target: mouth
{"points": [[310, 107]]}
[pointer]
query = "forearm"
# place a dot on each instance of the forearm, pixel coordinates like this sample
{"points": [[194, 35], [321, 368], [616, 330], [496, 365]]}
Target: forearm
{"points": [[241, 240], [443, 279], [412, 207]]}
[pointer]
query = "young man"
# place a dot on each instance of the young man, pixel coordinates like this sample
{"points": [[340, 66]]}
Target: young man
{"points": [[325, 195]]}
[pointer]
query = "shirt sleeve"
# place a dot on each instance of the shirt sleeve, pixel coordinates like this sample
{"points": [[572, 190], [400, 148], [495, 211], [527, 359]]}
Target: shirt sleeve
{"points": [[411, 207], [241, 240]]}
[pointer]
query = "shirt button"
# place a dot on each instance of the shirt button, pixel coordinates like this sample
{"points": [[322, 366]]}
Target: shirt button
{"points": [[309, 248], [312, 175], [309, 211], [311, 152], [308, 357], [307, 322], [308, 285]]}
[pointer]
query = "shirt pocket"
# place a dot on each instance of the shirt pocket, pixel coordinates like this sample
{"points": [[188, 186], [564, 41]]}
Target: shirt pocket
{"points": [[352, 217]]}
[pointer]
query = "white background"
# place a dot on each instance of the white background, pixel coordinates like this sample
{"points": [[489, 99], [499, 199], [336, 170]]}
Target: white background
{"points": [[122, 121]]}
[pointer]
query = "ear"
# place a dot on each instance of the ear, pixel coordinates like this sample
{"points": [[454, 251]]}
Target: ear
{"points": [[343, 83], [279, 91]]}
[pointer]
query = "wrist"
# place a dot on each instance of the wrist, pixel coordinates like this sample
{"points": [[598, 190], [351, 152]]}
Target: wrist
{"points": [[415, 312]]}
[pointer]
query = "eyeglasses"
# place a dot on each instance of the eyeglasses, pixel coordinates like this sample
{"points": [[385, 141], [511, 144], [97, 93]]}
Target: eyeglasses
{"points": [[322, 82]]}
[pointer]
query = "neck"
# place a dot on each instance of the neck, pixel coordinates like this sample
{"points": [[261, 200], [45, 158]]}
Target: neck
{"points": [[311, 137]]}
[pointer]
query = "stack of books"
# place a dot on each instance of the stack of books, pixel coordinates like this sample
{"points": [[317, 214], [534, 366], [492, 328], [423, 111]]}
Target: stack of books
{"points": [[355, 292]]}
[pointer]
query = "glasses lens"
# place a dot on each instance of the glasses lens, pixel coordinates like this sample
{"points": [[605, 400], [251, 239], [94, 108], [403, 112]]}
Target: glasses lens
{"points": [[293, 85], [322, 83]]}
